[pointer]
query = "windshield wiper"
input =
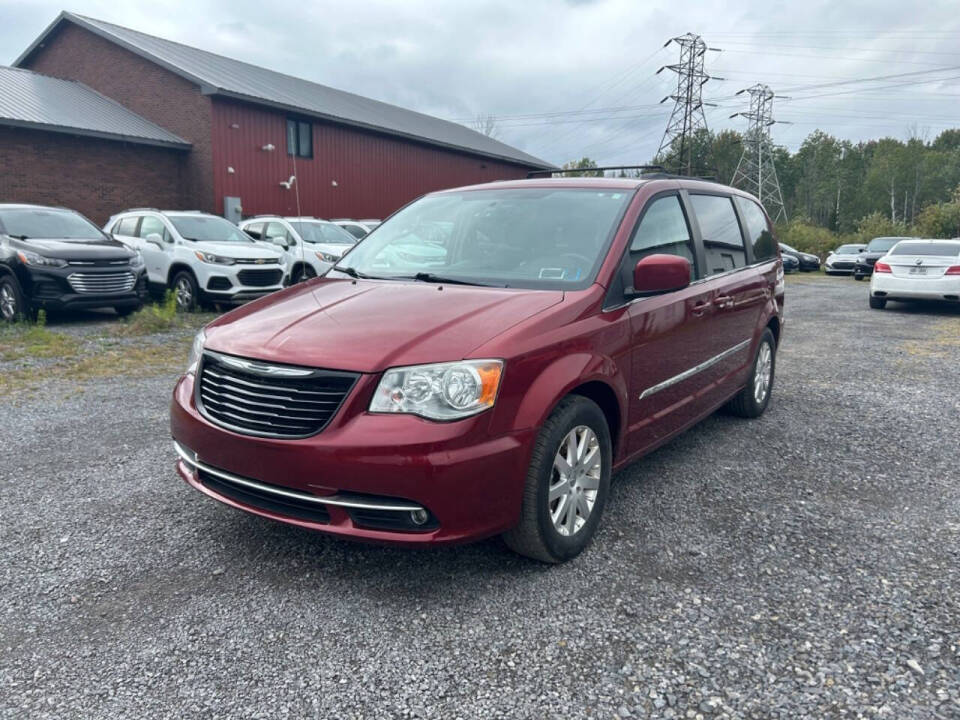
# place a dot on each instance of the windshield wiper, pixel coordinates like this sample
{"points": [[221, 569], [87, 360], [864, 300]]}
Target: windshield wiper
{"points": [[432, 278], [359, 275], [20, 237]]}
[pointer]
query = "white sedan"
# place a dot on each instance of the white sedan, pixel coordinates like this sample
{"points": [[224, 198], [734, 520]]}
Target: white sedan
{"points": [[917, 270]]}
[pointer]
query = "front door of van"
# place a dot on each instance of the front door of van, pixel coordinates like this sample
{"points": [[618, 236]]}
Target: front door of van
{"points": [[671, 333]]}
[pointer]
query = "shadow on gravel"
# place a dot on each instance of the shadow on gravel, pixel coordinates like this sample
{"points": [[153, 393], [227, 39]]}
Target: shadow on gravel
{"points": [[924, 308]]}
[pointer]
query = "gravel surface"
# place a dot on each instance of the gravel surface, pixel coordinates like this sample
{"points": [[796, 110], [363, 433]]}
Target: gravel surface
{"points": [[806, 564]]}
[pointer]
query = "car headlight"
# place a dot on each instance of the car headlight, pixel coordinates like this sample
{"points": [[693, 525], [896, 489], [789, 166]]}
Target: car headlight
{"points": [[442, 391], [213, 259], [327, 257], [196, 350], [32, 258], [136, 262]]}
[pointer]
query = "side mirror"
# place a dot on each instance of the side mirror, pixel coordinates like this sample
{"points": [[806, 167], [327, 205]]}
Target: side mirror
{"points": [[660, 274], [154, 239], [281, 241]]}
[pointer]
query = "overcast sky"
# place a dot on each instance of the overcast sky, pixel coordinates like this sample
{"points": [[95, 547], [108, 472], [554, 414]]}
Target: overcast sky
{"points": [[572, 78]]}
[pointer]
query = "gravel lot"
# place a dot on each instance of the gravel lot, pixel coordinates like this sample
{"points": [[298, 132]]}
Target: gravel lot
{"points": [[803, 565]]}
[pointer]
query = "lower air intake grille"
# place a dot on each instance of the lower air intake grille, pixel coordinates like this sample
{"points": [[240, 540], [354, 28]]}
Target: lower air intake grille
{"points": [[260, 278], [289, 507], [256, 398], [102, 283]]}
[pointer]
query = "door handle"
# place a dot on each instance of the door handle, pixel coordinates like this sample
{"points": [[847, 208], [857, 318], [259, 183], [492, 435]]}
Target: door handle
{"points": [[699, 308], [723, 301]]}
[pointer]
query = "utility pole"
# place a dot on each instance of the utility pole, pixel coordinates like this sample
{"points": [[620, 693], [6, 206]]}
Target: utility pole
{"points": [[676, 147], [755, 172]]}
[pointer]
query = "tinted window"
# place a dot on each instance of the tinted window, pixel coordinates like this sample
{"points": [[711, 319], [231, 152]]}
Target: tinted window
{"points": [[323, 232], [518, 237], [663, 229], [151, 225], [209, 228], [882, 244], [299, 138], [758, 231], [849, 249], [355, 230], [128, 226], [944, 249], [48, 225], [254, 230], [720, 228]]}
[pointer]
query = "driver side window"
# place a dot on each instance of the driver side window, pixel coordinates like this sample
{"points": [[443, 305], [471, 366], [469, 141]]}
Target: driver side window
{"points": [[663, 230]]}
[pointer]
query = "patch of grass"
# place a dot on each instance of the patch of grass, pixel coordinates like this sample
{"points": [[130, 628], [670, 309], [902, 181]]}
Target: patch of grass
{"points": [[33, 339], [943, 343], [154, 318]]}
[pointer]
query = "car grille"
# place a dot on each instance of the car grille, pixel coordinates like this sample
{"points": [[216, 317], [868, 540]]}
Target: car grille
{"points": [[268, 400], [871, 261], [260, 278], [843, 264], [270, 502], [257, 261], [102, 283]]}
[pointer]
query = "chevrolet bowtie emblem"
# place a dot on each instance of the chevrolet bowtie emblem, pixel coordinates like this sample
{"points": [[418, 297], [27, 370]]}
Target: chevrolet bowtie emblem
{"points": [[260, 261]]}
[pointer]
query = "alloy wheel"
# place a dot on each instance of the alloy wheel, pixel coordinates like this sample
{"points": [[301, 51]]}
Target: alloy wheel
{"points": [[184, 293], [762, 373], [575, 480], [8, 303]]}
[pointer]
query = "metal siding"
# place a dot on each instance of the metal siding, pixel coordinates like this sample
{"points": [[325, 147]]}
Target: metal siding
{"points": [[375, 174]]}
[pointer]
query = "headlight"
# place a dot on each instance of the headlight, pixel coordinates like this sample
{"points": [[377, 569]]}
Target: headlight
{"points": [[444, 391], [31, 258], [196, 350], [327, 257], [136, 262], [214, 259]]}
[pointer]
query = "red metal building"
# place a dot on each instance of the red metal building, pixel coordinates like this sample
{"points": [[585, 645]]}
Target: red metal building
{"points": [[266, 142]]}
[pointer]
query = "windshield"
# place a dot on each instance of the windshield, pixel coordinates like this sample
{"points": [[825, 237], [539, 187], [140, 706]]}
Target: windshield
{"points": [[521, 237], [29, 223], [849, 249], [881, 244], [943, 249], [208, 228], [784, 246], [322, 232]]}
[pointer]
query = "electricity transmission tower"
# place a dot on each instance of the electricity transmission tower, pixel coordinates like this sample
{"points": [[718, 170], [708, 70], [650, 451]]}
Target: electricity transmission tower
{"points": [[676, 147], [755, 172]]}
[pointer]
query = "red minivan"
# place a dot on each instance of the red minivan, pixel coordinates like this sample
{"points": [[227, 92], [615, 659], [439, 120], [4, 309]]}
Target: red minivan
{"points": [[483, 361]]}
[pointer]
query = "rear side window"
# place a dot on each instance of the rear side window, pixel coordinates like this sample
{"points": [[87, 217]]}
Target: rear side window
{"points": [[663, 229], [277, 230], [722, 241], [254, 230], [152, 225], [127, 226], [758, 231]]}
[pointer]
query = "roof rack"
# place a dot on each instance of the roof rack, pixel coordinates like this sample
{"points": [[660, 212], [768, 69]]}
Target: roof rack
{"points": [[141, 209], [535, 173]]}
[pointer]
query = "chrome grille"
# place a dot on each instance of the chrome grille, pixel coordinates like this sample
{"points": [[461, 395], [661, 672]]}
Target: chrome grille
{"points": [[102, 283], [260, 278], [255, 398]]}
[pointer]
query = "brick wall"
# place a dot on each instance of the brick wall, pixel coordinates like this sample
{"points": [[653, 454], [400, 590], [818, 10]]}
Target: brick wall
{"points": [[95, 177], [144, 87]]}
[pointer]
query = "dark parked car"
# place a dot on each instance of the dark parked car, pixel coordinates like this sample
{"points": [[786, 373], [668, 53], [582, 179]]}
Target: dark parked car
{"points": [[806, 261], [56, 258], [551, 331], [790, 263], [875, 249]]}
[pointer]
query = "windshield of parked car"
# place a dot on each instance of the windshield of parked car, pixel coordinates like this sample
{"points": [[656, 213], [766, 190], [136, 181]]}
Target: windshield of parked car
{"points": [[943, 249], [519, 237], [881, 244], [323, 232], [208, 228], [784, 246], [26, 223], [849, 249]]}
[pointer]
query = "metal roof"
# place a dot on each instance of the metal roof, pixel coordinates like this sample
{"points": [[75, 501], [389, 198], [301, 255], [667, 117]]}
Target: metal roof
{"points": [[32, 100], [218, 75]]}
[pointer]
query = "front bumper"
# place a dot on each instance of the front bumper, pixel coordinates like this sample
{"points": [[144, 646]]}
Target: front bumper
{"points": [[896, 288], [52, 288], [840, 267], [469, 483], [241, 282]]}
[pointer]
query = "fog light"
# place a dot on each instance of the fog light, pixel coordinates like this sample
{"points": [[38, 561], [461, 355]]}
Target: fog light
{"points": [[419, 517]]}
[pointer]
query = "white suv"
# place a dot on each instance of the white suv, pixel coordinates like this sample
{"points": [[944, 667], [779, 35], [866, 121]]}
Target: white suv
{"points": [[203, 258], [312, 246]]}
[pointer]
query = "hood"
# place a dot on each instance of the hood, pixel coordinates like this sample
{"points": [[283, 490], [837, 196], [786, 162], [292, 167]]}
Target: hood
{"points": [[105, 249], [236, 250], [368, 326]]}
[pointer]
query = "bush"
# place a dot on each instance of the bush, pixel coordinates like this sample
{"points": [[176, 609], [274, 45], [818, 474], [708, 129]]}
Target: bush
{"points": [[153, 318], [879, 225], [803, 235]]}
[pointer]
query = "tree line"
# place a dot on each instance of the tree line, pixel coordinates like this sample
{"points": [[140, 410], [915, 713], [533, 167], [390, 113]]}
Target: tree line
{"points": [[840, 191]]}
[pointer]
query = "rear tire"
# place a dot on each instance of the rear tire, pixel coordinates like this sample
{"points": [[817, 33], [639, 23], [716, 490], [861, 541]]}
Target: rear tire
{"points": [[754, 398], [878, 303], [858, 278], [561, 509], [186, 291]]}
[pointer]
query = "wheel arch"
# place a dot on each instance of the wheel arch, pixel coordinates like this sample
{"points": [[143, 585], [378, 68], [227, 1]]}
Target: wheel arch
{"points": [[178, 267]]}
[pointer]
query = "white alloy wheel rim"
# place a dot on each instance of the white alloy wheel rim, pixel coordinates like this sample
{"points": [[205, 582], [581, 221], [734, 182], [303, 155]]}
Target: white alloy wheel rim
{"points": [[762, 374], [575, 480]]}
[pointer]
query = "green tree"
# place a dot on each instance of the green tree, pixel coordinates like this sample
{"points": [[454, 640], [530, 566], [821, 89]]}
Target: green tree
{"points": [[582, 165]]}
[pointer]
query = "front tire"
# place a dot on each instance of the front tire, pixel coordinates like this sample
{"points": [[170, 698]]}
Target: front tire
{"points": [[858, 278], [13, 304], [878, 303], [567, 483], [754, 398], [186, 291]]}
